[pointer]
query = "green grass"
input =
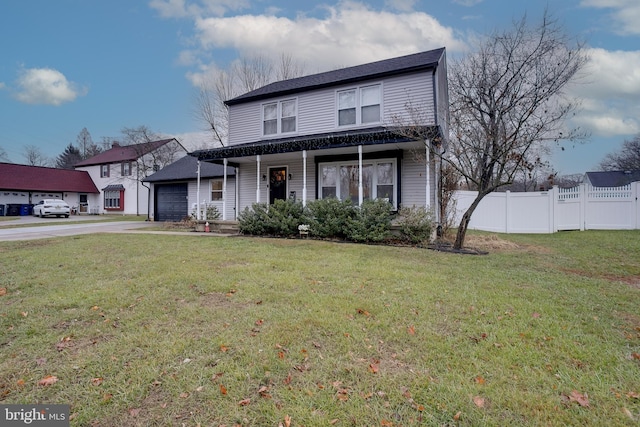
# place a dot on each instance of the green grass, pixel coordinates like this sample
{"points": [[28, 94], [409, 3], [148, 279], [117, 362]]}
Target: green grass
{"points": [[177, 330], [13, 221]]}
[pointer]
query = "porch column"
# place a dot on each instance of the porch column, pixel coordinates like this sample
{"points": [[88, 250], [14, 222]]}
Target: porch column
{"points": [[304, 178], [198, 194], [427, 203], [224, 191], [258, 178], [360, 190]]}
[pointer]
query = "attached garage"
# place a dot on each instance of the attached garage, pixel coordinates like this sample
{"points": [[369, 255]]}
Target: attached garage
{"points": [[171, 202]]}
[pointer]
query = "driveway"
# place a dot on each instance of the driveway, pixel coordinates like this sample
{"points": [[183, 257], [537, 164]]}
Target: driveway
{"points": [[56, 227]]}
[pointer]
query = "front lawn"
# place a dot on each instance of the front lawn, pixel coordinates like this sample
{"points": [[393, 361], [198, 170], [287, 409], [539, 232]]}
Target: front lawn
{"points": [[140, 330]]}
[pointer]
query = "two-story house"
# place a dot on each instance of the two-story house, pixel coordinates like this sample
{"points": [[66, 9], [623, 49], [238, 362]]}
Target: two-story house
{"points": [[119, 173], [356, 133]]}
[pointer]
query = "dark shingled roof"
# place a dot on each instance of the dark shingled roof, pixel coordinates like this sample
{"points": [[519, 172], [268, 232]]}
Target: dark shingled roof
{"points": [[388, 67], [613, 178], [37, 178], [187, 168], [124, 153]]}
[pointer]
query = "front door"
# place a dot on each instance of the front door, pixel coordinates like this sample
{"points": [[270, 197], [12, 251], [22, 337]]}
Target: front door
{"points": [[277, 184]]}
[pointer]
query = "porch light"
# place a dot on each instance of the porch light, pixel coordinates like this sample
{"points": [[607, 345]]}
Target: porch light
{"points": [[264, 177], [289, 176]]}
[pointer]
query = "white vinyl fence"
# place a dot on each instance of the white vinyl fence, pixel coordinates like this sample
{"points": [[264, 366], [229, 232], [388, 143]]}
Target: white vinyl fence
{"points": [[580, 208]]}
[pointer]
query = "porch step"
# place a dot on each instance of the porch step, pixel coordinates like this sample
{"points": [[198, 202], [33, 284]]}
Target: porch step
{"points": [[225, 227]]}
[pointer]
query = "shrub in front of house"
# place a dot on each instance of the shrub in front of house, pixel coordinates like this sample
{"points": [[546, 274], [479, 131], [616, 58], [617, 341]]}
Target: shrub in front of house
{"points": [[282, 218], [211, 213], [253, 220], [327, 218], [371, 222], [415, 224]]}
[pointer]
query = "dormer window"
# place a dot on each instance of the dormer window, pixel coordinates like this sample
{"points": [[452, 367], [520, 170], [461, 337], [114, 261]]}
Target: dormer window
{"points": [[359, 105], [279, 117]]}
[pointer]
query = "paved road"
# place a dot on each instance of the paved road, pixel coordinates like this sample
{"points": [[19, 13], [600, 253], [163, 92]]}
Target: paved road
{"points": [[57, 227]]}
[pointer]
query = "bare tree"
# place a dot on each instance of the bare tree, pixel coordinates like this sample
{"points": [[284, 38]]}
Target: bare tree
{"points": [[626, 159], [508, 102], [34, 156], [244, 75], [3, 155], [150, 156], [85, 144]]}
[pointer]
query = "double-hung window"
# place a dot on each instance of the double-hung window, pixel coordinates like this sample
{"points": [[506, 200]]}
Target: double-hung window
{"points": [[112, 200], [126, 169], [104, 171], [360, 105], [342, 179], [216, 189], [279, 117]]}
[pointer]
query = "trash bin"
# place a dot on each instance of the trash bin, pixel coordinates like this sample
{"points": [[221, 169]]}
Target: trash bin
{"points": [[13, 209], [24, 210], [1, 210]]}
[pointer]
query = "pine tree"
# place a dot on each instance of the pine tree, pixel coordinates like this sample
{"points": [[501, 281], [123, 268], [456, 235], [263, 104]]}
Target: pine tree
{"points": [[69, 157]]}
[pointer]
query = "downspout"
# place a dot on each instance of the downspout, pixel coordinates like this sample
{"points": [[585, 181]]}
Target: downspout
{"points": [[224, 191], [148, 201], [198, 216], [360, 189], [304, 178]]}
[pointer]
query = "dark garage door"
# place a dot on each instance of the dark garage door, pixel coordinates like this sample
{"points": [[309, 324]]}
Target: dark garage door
{"points": [[171, 202]]}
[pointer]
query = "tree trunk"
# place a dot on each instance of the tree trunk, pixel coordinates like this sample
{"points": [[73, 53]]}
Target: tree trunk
{"points": [[464, 222]]}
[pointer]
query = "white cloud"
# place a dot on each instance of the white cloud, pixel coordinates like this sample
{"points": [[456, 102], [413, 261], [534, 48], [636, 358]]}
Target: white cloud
{"points": [[610, 93], [403, 5], [46, 86], [2, 85], [626, 14], [350, 33]]}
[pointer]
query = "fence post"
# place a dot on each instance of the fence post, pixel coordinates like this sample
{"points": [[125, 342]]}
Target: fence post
{"points": [[553, 194], [507, 213], [583, 206], [634, 201]]}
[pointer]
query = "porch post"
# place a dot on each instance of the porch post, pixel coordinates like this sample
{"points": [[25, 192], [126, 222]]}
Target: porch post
{"points": [[258, 178], [198, 194], [304, 178], [360, 190], [224, 191], [427, 203]]}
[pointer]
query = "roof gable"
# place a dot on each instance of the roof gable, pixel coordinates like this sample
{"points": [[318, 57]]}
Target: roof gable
{"points": [[124, 153], [613, 178], [37, 178], [378, 69]]}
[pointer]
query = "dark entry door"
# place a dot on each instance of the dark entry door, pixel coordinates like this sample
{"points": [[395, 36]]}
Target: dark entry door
{"points": [[171, 202], [277, 184]]}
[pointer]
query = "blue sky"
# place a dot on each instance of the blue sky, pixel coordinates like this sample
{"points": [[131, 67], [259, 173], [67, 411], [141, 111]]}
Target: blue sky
{"points": [[105, 65]]}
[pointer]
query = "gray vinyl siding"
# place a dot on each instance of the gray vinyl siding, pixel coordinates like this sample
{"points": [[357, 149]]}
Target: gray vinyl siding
{"points": [[205, 196], [414, 182], [317, 109]]}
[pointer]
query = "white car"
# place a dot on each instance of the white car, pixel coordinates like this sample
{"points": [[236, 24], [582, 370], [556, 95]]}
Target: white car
{"points": [[49, 207]]}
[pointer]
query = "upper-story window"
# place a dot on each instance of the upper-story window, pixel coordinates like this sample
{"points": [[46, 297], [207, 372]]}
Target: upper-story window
{"points": [[104, 171], [359, 105], [279, 117], [126, 169]]}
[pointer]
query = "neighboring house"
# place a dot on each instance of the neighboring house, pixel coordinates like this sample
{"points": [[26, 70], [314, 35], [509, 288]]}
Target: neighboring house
{"points": [[342, 133], [119, 171], [175, 192], [612, 179], [22, 185]]}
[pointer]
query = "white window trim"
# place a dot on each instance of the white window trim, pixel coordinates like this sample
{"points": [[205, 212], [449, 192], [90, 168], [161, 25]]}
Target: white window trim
{"points": [[359, 106], [374, 178], [221, 191], [279, 118]]}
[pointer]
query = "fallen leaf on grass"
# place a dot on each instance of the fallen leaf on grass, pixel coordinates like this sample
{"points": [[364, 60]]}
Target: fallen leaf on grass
{"points": [[635, 356], [628, 414], [287, 421], [134, 412], [535, 315], [579, 398], [479, 401], [457, 416], [48, 380], [411, 330], [184, 395], [633, 395], [3, 292], [259, 322], [334, 421], [373, 367], [97, 381], [20, 382], [24, 313], [363, 312], [386, 423], [223, 390], [480, 380], [244, 402]]}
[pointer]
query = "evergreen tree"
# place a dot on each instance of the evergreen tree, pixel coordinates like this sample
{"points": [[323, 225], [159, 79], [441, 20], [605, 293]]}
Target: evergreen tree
{"points": [[69, 157]]}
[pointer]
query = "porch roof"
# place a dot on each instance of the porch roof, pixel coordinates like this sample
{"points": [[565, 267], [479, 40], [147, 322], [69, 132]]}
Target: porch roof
{"points": [[325, 141]]}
